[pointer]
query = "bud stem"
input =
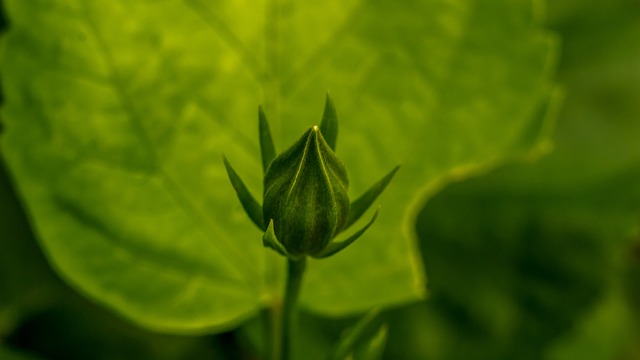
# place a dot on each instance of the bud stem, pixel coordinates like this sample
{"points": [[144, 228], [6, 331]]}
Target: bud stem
{"points": [[288, 320]]}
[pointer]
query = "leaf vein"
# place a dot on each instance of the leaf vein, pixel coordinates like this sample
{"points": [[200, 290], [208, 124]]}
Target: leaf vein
{"points": [[225, 33]]}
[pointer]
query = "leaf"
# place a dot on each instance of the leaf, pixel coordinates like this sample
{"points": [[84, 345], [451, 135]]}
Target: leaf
{"points": [[367, 333], [529, 261], [116, 113], [601, 334], [374, 348], [11, 354], [27, 284], [513, 269]]}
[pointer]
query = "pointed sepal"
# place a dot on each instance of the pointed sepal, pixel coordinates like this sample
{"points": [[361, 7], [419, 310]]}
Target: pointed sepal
{"points": [[361, 204], [267, 149], [329, 123], [335, 247], [270, 240], [249, 203]]}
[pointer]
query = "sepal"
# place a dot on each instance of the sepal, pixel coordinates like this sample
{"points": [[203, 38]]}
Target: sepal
{"points": [[335, 247], [249, 203], [361, 204], [270, 240], [267, 149], [329, 123]]}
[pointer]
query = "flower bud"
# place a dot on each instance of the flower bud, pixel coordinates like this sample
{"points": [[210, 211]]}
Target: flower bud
{"points": [[305, 195]]}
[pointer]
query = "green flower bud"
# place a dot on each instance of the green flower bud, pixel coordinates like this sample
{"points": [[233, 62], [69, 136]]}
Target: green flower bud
{"points": [[305, 195], [305, 202]]}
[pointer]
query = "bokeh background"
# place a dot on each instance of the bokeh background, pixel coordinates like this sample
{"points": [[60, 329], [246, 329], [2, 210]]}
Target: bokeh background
{"points": [[536, 260]]}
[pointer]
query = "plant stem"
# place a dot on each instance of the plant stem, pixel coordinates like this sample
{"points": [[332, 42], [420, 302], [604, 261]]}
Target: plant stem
{"points": [[288, 314], [271, 323]]}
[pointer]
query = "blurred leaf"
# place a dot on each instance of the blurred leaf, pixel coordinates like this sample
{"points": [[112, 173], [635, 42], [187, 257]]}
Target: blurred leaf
{"points": [[365, 333], [599, 126], [600, 334], [116, 113], [40, 314], [526, 263], [27, 283], [511, 271], [373, 349], [76, 329], [10, 354]]}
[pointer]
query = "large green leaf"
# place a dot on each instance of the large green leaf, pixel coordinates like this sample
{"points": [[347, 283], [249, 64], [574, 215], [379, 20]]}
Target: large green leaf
{"points": [[117, 112]]}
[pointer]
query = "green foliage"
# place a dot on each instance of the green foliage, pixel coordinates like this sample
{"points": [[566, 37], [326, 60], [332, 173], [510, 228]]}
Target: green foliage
{"points": [[9, 354], [365, 340], [539, 261], [511, 269], [116, 114]]}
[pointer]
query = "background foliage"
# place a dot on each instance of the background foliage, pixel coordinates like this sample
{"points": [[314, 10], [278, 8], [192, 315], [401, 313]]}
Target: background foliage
{"points": [[535, 260]]}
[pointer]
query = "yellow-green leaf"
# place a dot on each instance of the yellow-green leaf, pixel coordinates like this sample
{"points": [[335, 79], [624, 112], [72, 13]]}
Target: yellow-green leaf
{"points": [[116, 113]]}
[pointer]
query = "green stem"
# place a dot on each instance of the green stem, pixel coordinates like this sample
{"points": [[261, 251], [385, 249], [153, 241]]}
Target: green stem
{"points": [[271, 331], [288, 313]]}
